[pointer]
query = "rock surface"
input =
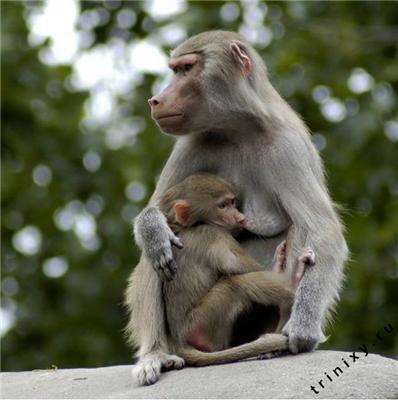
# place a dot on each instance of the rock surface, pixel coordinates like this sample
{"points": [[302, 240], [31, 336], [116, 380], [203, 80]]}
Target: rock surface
{"points": [[370, 376]]}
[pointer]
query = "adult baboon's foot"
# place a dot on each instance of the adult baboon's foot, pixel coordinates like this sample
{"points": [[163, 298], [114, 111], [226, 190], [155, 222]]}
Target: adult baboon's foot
{"points": [[303, 337], [148, 369]]}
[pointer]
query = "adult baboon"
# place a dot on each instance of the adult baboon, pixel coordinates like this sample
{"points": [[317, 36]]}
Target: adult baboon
{"points": [[230, 121]]}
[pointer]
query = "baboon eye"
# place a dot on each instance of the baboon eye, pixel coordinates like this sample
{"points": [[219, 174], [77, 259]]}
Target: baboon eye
{"points": [[228, 203], [187, 67]]}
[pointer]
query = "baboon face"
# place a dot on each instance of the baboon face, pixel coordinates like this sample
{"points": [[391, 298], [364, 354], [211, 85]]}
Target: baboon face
{"points": [[180, 108]]}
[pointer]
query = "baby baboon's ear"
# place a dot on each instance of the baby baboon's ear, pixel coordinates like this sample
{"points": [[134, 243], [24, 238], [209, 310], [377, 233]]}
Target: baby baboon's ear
{"points": [[181, 208]]}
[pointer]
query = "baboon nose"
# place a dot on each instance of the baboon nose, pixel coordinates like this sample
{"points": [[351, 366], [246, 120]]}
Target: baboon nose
{"points": [[153, 102]]}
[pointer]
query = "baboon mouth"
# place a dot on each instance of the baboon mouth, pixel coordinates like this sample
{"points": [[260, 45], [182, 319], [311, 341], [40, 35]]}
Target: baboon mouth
{"points": [[162, 117]]}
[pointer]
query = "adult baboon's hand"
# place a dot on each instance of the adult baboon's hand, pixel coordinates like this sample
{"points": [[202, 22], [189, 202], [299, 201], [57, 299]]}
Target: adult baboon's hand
{"points": [[155, 238]]}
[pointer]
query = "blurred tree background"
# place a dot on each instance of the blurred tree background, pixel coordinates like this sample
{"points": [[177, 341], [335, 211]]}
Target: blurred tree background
{"points": [[80, 156]]}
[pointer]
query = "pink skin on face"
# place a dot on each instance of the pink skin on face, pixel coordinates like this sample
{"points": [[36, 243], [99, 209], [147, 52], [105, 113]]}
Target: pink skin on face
{"points": [[179, 97], [179, 62]]}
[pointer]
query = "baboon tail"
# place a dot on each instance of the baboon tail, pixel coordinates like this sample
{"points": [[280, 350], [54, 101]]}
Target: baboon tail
{"points": [[264, 344]]}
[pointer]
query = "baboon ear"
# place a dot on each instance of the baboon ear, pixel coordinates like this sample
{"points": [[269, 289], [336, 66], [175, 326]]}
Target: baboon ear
{"points": [[181, 209], [242, 58]]}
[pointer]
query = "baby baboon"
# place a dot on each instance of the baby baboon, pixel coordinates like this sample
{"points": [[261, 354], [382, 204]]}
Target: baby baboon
{"points": [[216, 281]]}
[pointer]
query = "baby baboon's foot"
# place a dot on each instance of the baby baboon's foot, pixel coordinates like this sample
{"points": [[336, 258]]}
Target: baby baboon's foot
{"points": [[307, 259], [172, 361], [280, 257]]}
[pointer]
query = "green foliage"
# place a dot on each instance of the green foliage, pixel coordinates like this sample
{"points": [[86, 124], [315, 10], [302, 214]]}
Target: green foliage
{"points": [[77, 319]]}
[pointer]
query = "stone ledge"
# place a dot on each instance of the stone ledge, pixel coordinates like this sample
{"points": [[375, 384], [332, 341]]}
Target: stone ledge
{"points": [[286, 377]]}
